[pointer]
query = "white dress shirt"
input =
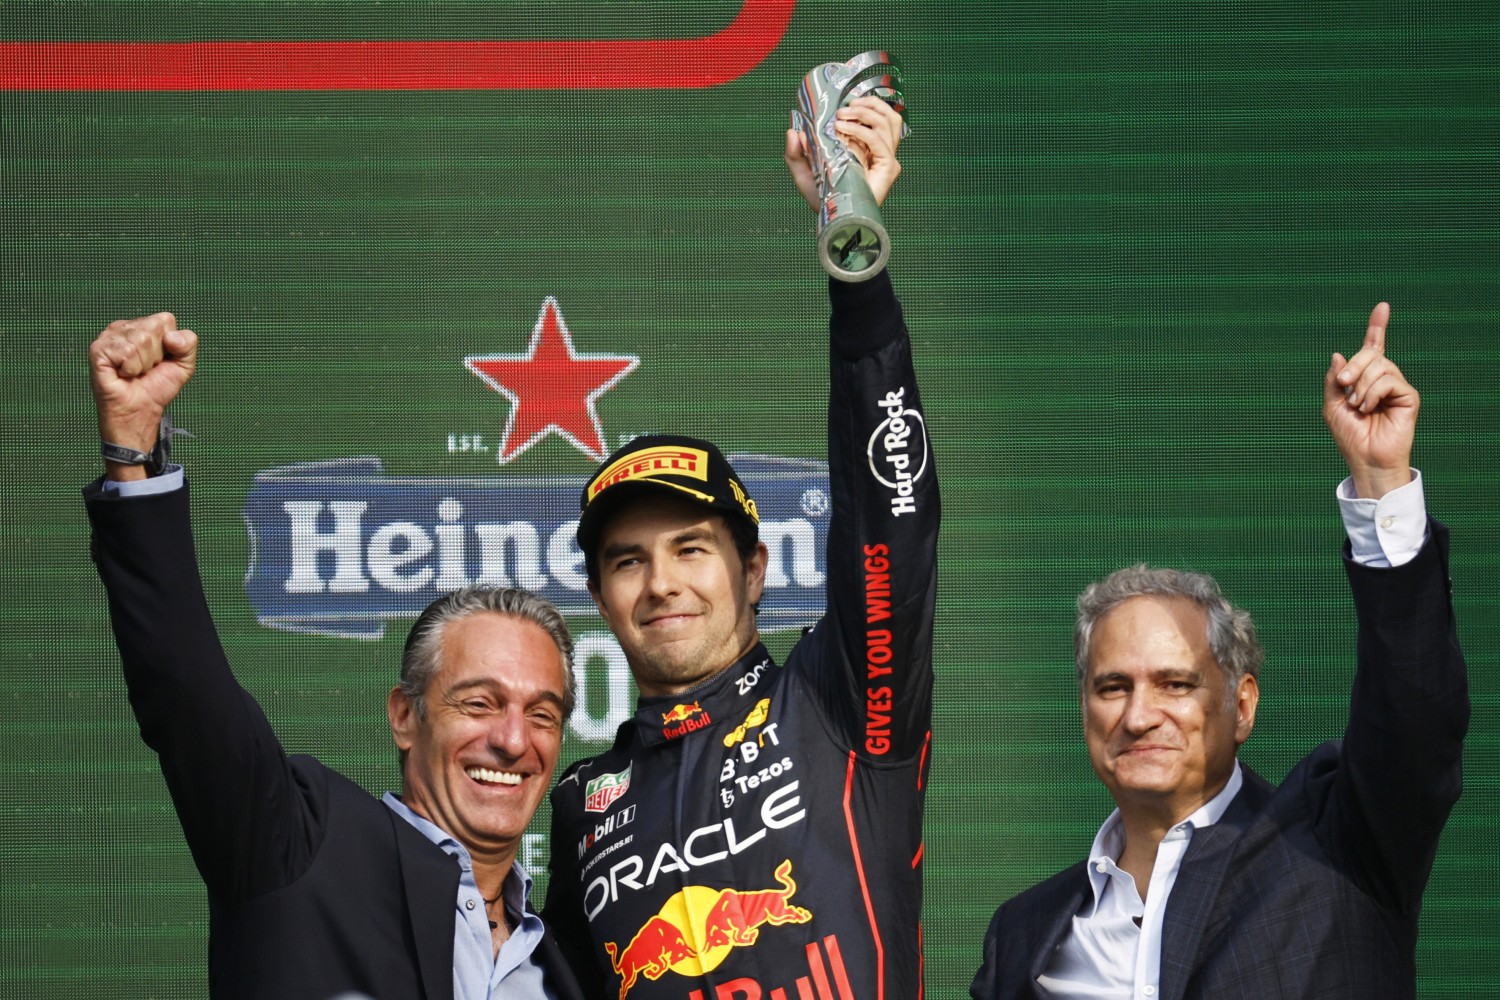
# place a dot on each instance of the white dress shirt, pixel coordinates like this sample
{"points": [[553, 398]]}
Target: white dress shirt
{"points": [[1114, 946]]}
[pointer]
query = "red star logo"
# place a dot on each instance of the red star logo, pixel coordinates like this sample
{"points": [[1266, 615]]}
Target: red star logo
{"points": [[552, 387]]}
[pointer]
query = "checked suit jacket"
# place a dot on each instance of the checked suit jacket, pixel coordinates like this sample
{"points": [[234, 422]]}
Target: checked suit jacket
{"points": [[315, 887], [1311, 889]]}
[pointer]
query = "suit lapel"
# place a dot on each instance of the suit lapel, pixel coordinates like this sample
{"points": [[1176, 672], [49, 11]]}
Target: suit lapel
{"points": [[431, 881], [1198, 883], [1056, 918], [559, 974]]}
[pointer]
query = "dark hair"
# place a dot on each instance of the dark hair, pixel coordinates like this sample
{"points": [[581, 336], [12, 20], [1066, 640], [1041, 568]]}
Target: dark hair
{"points": [[1231, 633], [420, 660]]}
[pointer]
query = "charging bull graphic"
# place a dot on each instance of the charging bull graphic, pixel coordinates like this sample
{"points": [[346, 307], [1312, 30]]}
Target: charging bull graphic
{"points": [[737, 916], [674, 941], [654, 950], [681, 713]]}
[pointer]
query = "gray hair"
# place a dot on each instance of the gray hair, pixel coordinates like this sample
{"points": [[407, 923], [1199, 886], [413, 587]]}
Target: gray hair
{"points": [[420, 661], [1231, 633]]}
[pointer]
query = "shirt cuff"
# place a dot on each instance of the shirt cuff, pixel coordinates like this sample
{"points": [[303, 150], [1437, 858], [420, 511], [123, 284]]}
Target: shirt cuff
{"points": [[171, 479], [1385, 532]]}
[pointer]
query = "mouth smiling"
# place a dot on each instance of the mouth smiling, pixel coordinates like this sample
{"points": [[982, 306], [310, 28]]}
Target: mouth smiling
{"points": [[485, 776], [668, 619], [1146, 749]]}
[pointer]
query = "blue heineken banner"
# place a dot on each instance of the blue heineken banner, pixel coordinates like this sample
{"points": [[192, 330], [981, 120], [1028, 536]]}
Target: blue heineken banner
{"points": [[339, 548]]}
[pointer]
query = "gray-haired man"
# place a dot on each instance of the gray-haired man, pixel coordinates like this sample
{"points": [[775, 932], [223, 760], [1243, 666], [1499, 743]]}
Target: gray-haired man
{"points": [[1207, 881]]}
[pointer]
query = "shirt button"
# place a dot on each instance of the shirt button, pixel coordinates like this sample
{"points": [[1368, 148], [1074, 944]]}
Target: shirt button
{"points": [[1101, 868], [1386, 522], [469, 904], [1150, 991]]}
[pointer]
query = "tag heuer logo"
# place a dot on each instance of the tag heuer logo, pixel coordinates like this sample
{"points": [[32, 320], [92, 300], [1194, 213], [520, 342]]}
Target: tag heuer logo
{"points": [[599, 793]]}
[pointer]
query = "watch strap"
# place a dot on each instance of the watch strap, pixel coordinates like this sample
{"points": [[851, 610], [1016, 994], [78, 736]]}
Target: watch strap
{"points": [[154, 460]]}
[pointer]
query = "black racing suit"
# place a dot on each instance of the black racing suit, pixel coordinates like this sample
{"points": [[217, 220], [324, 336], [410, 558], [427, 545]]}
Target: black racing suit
{"points": [[760, 837]]}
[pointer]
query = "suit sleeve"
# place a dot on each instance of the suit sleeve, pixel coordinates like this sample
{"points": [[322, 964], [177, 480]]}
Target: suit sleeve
{"points": [[1401, 766], [986, 985], [249, 823], [873, 649]]}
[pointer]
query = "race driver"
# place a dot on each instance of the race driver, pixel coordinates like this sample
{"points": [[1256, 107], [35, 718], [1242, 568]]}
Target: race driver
{"points": [[755, 832]]}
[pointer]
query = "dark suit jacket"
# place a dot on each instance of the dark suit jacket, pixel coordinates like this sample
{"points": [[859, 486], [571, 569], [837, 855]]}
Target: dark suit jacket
{"points": [[1312, 889], [314, 886]]}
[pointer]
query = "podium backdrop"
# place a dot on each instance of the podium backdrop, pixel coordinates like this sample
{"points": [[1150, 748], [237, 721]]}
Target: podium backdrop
{"points": [[443, 255]]}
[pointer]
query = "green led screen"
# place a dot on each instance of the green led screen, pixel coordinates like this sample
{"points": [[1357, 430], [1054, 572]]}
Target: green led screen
{"points": [[1127, 237]]}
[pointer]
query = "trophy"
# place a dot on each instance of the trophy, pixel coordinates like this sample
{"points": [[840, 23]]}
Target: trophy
{"points": [[852, 241]]}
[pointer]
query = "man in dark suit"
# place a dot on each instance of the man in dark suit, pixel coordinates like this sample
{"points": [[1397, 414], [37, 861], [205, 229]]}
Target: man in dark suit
{"points": [[316, 888], [1207, 881]]}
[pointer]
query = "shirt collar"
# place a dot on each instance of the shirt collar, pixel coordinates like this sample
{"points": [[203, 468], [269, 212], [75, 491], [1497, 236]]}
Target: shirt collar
{"points": [[517, 887], [1109, 842]]}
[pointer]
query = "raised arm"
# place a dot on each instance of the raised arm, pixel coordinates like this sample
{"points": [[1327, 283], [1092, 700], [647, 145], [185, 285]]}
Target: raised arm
{"points": [[874, 646], [242, 812], [1400, 771]]}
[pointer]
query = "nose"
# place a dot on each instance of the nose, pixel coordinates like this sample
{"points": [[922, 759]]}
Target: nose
{"points": [[662, 580], [507, 732], [1142, 713]]}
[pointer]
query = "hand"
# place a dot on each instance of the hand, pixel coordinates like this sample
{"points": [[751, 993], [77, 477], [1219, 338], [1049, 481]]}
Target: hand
{"points": [[137, 367], [871, 129], [1371, 410]]}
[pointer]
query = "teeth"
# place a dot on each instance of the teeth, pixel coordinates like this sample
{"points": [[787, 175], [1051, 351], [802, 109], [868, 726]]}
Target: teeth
{"points": [[493, 777]]}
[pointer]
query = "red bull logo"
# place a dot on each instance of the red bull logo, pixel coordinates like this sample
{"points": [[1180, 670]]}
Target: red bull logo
{"points": [[681, 713], [698, 927], [689, 718]]}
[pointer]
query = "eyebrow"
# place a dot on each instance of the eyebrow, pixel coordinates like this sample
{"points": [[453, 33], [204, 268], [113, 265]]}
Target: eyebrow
{"points": [[1156, 674], [490, 685], [615, 549], [697, 533]]}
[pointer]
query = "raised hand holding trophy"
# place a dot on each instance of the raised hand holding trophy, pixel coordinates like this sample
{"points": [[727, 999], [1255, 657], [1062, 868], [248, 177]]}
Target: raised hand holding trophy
{"points": [[852, 242]]}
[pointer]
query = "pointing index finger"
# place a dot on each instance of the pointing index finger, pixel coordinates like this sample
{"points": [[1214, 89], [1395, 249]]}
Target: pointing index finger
{"points": [[1373, 346], [1380, 318]]}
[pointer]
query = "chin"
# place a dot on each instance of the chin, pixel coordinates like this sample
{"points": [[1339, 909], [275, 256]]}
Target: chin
{"points": [[675, 671], [1147, 781]]}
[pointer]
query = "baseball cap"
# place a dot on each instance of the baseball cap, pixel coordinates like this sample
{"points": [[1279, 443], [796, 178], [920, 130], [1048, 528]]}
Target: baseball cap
{"points": [[661, 463]]}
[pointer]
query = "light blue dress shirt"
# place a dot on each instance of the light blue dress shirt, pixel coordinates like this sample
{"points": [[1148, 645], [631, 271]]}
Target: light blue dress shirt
{"points": [[479, 973]]}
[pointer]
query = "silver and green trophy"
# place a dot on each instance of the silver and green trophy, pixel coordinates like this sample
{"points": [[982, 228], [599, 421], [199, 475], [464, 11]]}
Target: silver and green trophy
{"points": [[852, 242]]}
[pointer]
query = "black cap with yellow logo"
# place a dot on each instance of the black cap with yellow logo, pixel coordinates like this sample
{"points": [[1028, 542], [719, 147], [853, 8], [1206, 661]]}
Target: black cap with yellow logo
{"points": [[662, 463]]}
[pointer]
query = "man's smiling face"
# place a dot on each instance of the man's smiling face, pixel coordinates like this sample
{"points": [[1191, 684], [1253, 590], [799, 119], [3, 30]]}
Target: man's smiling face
{"points": [[479, 762], [1161, 730], [675, 592]]}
